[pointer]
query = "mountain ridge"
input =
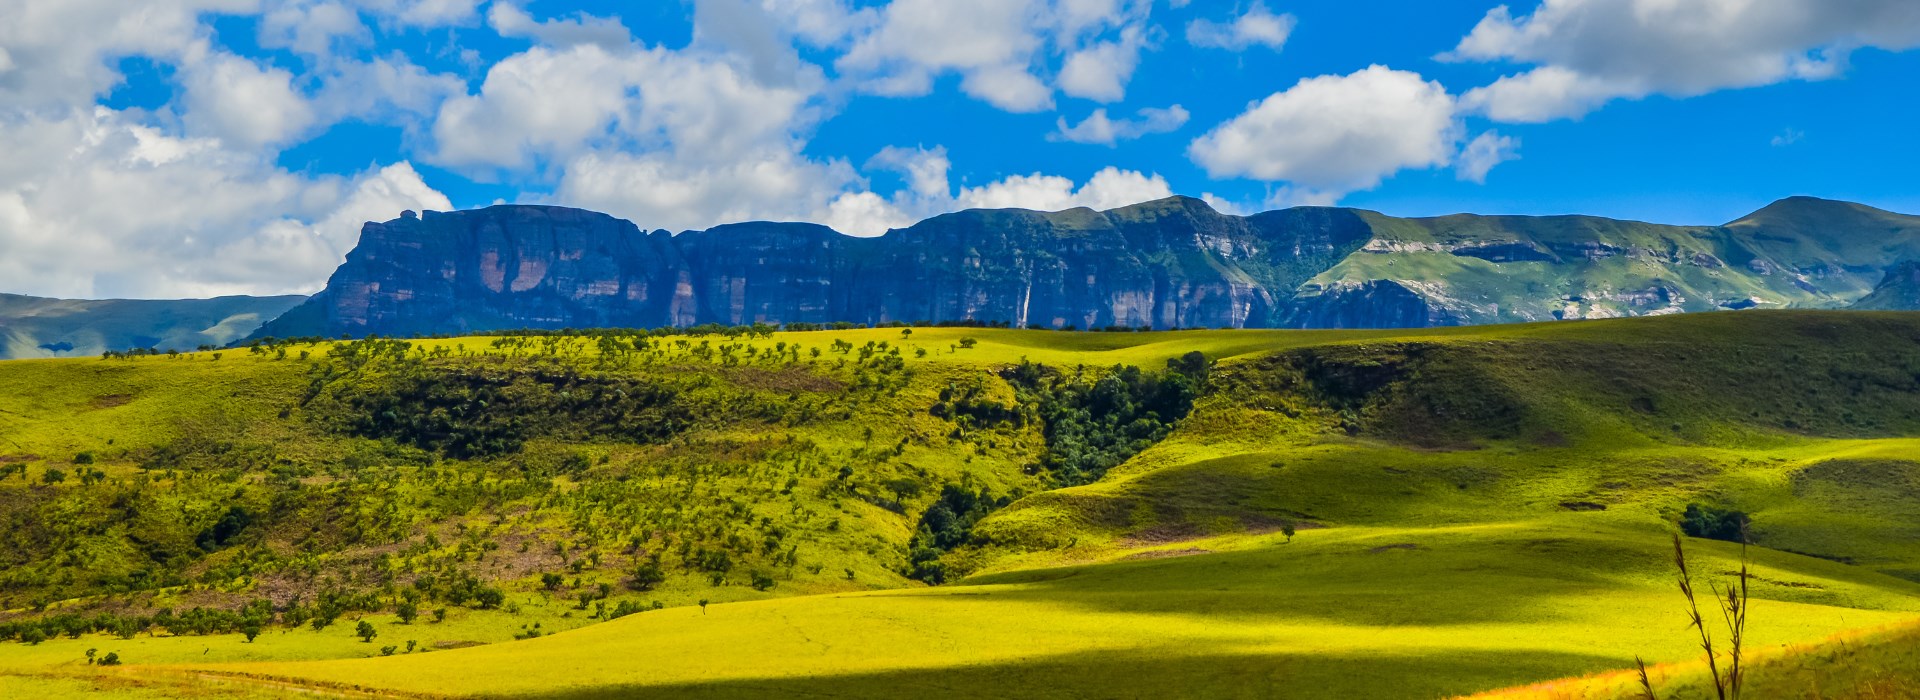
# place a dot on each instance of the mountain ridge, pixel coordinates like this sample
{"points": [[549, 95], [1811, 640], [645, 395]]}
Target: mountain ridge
{"points": [[1169, 263]]}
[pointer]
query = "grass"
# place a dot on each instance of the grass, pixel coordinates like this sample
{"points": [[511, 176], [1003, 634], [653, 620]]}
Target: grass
{"points": [[1477, 508]]}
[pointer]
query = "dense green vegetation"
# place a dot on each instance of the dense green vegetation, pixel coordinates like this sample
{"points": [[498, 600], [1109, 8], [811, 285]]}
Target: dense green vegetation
{"points": [[662, 491]]}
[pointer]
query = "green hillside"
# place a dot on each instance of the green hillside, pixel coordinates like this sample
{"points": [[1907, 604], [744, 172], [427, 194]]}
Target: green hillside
{"points": [[1287, 514], [37, 327], [1799, 252]]}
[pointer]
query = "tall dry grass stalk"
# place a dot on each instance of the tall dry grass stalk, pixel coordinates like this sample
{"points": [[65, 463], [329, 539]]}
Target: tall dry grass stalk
{"points": [[1732, 604]]}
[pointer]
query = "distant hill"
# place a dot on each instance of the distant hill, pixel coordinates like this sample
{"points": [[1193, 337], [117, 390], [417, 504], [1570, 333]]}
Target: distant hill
{"points": [[1898, 291], [1172, 263], [39, 327]]}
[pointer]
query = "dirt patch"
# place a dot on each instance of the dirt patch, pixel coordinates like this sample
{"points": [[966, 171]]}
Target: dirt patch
{"points": [[20, 458], [1583, 506], [457, 644], [110, 400], [1167, 553], [1392, 547]]}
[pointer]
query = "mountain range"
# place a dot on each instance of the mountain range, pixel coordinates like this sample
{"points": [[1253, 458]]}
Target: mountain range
{"points": [[40, 327], [1171, 263]]}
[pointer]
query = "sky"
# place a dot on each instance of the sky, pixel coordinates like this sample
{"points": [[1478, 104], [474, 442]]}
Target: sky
{"points": [[192, 148]]}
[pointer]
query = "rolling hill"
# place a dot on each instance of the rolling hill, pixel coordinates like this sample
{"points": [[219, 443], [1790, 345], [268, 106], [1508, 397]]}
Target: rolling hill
{"points": [[747, 513]]}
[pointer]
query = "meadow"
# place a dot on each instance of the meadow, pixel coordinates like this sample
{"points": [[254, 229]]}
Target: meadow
{"points": [[748, 513]]}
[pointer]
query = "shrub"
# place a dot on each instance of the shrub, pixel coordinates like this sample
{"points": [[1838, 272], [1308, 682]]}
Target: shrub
{"points": [[111, 659], [365, 631], [646, 576], [1714, 523]]}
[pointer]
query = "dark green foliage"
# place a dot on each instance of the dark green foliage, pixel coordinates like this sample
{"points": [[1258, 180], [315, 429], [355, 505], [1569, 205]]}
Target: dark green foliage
{"points": [[947, 524], [111, 659], [230, 525], [1714, 523], [1091, 426], [490, 598], [646, 576], [365, 631], [468, 409]]}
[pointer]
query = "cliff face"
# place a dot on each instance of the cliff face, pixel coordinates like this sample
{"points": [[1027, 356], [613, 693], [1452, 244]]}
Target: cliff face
{"points": [[1173, 263]]}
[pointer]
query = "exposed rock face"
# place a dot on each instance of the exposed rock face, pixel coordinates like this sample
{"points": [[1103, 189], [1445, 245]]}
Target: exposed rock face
{"points": [[1898, 291], [1173, 263], [1166, 264]]}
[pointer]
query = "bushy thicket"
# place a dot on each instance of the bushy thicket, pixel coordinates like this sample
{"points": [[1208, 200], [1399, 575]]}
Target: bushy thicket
{"points": [[1093, 425]]}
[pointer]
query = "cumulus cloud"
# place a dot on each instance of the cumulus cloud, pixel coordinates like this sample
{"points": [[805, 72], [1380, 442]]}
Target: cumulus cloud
{"points": [[1333, 134], [1588, 52], [1101, 71], [1099, 128], [243, 103], [94, 203], [1000, 48], [1482, 153], [1258, 26], [63, 54], [548, 105], [1107, 189], [508, 20]]}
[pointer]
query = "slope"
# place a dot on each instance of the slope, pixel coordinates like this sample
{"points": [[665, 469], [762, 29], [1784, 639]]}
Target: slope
{"points": [[1470, 508]]}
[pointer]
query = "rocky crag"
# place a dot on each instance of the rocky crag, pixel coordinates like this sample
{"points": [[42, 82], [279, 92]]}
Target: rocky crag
{"points": [[1173, 263]]}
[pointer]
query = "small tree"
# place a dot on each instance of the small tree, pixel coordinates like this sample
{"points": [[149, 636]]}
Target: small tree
{"points": [[1287, 529], [906, 333], [251, 631], [111, 659], [407, 611], [703, 606], [388, 650], [365, 631], [490, 598]]}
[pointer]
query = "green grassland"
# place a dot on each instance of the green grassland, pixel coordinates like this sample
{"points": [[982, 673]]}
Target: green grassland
{"points": [[1470, 508]]}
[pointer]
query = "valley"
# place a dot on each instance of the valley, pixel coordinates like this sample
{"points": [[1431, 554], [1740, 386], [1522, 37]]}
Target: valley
{"points": [[749, 512]]}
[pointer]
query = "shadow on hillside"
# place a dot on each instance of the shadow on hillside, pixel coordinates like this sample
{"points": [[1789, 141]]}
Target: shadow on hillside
{"points": [[1132, 675]]}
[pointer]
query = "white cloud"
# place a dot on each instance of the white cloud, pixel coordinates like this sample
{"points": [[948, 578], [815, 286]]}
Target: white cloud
{"points": [[1331, 135], [508, 20], [548, 105], [1588, 52], [656, 190], [1108, 189], [426, 14], [62, 54], [1258, 26], [310, 28], [1482, 153], [1101, 71], [1098, 128], [188, 216], [243, 103], [1788, 137], [1001, 49], [925, 169]]}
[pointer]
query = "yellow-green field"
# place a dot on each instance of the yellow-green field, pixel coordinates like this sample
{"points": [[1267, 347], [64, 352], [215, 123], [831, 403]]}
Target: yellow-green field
{"points": [[1475, 509]]}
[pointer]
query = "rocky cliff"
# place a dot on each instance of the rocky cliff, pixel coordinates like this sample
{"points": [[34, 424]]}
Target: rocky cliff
{"points": [[1173, 263]]}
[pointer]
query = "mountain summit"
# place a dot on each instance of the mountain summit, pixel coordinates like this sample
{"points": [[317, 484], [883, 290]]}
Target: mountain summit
{"points": [[1171, 263]]}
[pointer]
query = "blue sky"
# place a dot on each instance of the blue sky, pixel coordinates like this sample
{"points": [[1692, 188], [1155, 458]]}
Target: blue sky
{"points": [[200, 147]]}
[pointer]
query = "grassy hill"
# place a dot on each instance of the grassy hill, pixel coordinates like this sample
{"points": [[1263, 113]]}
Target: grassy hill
{"points": [[38, 327], [1308, 513]]}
